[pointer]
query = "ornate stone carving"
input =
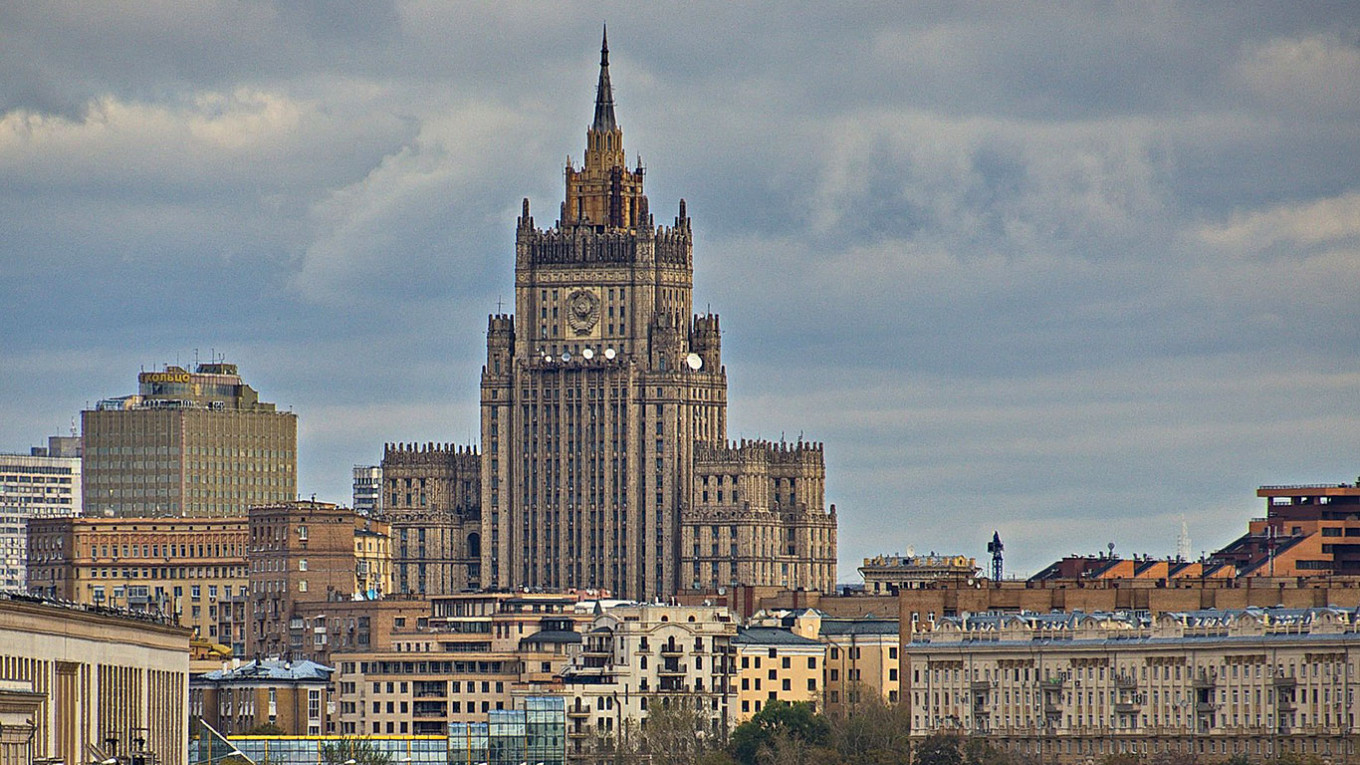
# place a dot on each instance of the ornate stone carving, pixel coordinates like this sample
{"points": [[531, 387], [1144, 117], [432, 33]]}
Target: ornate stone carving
{"points": [[583, 311]]}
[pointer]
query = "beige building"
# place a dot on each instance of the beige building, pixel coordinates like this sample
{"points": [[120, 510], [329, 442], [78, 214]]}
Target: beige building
{"points": [[1072, 687], [195, 443], [863, 655], [775, 664], [473, 655], [90, 683], [892, 573], [235, 699], [604, 413], [637, 657], [188, 567]]}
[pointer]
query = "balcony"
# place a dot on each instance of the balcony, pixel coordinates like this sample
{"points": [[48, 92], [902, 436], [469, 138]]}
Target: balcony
{"points": [[1127, 707], [1205, 680], [1284, 681], [1204, 707], [980, 685], [1125, 682], [578, 712], [1052, 683]]}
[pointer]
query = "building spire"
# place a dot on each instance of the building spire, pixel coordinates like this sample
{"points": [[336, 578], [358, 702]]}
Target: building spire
{"points": [[604, 94]]}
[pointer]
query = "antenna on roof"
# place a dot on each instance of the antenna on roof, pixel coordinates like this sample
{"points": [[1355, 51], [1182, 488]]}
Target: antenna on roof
{"points": [[1183, 547]]}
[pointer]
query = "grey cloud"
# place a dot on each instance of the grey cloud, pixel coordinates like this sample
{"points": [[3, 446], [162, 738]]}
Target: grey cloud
{"points": [[1020, 266]]}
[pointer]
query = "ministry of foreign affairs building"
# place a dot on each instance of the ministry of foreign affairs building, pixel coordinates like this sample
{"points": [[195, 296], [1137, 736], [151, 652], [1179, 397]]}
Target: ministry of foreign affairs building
{"points": [[605, 461]]}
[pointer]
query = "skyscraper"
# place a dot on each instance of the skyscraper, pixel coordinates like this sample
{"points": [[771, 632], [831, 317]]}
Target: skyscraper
{"points": [[605, 460], [195, 443]]}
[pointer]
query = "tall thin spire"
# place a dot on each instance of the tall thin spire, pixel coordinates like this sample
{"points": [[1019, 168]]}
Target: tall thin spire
{"points": [[604, 94]]}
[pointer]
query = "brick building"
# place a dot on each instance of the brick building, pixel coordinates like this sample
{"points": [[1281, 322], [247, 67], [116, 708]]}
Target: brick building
{"points": [[300, 552]]}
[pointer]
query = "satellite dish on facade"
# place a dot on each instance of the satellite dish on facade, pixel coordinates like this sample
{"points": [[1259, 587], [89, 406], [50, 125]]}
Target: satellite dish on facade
{"points": [[609, 353], [566, 355], [694, 362], [588, 354]]}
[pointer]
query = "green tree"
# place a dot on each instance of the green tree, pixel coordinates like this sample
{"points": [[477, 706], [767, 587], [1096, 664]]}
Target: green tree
{"points": [[798, 723], [939, 749], [266, 729], [362, 751]]}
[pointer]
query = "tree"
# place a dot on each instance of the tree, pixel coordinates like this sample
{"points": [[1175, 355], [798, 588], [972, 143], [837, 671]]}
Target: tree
{"points": [[872, 733], [677, 731], [362, 751], [939, 749], [798, 722], [266, 729]]}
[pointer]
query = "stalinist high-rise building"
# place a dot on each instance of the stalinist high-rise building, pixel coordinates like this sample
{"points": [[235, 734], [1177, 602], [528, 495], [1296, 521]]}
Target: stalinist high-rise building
{"points": [[604, 454]]}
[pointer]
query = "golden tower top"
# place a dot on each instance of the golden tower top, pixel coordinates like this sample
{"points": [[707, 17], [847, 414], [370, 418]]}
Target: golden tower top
{"points": [[604, 193]]}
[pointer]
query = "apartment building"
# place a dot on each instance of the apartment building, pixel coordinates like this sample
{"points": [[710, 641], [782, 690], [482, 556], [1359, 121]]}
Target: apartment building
{"points": [[294, 696], [1209, 683], [46, 483], [471, 655], [186, 567], [775, 664], [636, 657]]}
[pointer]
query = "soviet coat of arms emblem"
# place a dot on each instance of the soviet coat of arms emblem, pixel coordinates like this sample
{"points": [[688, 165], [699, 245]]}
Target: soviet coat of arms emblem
{"points": [[583, 311]]}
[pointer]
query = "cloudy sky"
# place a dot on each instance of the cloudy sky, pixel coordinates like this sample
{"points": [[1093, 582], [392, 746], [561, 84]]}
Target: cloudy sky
{"points": [[1065, 270]]}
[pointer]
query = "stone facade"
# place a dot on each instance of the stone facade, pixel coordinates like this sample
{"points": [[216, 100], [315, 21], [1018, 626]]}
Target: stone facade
{"points": [[1257, 683], [108, 683], [598, 398], [432, 496], [191, 568]]}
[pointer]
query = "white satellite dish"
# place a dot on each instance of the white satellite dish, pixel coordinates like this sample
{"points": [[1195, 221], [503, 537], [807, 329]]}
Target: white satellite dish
{"points": [[609, 353], [588, 354], [911, 551], [566, 355], [694, 361]]}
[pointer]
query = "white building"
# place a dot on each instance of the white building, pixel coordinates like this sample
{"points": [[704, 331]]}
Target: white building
{"points": [[33, 485], [638, 657], [368, 489]]}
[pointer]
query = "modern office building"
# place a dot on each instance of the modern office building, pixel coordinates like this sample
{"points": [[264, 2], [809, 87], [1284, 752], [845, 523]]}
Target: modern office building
{"points": [[1069, 688], [187, 568], [195, 443], [79, 684], [605, 461], [45, 483]]}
